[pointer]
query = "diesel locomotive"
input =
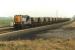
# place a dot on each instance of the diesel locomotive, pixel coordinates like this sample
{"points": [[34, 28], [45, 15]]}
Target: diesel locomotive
{"points": [[25, 21]]}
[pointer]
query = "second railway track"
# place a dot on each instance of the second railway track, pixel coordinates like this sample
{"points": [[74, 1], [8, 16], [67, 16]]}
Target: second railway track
{"points": [[6, 29]]}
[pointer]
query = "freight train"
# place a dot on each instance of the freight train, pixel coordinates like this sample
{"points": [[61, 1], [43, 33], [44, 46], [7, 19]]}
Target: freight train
{"points": [[25, 21]]}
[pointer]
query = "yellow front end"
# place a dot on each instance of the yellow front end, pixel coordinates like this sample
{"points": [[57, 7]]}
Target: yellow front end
{"points": [[17, 21]]}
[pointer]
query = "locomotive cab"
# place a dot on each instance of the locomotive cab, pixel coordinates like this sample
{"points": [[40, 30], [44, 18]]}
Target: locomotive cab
{"points": [[26, 22]]}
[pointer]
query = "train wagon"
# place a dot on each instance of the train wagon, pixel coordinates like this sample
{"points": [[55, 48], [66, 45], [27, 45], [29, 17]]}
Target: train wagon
{"points": [[25, 21]]}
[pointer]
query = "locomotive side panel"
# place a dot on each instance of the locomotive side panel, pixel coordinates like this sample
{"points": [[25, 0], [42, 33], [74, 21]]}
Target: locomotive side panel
{"points": [[26, 22]]}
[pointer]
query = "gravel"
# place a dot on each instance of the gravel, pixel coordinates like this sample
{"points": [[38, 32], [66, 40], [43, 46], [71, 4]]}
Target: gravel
{"points": [[66, 32], [58, 33]]}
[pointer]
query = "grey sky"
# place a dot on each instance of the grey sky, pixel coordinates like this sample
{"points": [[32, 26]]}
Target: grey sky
{"points": [[64, 8]]}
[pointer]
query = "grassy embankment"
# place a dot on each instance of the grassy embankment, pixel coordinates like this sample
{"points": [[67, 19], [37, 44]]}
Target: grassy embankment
{"points": [[39, 44]]}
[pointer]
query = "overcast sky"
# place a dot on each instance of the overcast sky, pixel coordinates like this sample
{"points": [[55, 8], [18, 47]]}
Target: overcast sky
{"points": [[60, 8]]}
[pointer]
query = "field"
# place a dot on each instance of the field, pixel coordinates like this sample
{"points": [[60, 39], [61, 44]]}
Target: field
{"points": [[39, 44], [5, 21]]}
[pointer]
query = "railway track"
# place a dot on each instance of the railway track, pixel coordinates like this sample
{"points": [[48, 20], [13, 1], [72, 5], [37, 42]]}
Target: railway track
{"points": [[11, 35], [6, 29]]}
